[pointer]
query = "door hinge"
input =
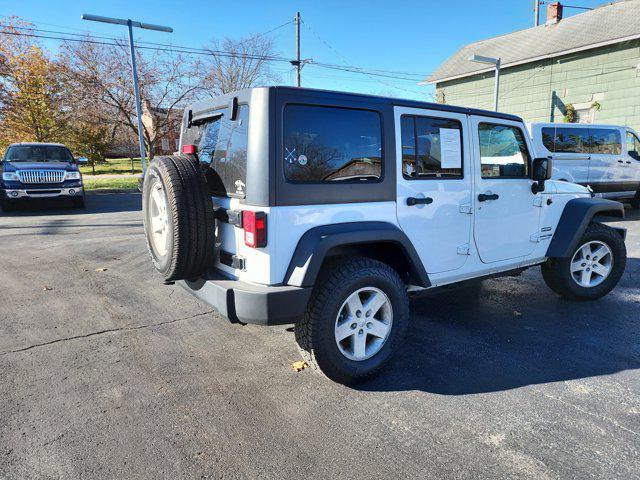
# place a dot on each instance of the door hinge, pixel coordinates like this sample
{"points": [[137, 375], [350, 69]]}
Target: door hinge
{"points": [[537, 201], [535, 238], [466, 208], [463, 249]]}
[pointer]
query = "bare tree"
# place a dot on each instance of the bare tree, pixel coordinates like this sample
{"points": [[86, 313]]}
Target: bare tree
{"points": [[103, 88], [236, 64]]}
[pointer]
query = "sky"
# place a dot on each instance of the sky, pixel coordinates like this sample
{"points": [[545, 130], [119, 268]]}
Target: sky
{"points": [[407, 37]]}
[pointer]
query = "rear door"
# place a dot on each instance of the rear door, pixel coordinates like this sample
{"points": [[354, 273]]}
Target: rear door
{"points": [[569, 149], [633, 158], [434, 185], [506, 216], [608, 171]]}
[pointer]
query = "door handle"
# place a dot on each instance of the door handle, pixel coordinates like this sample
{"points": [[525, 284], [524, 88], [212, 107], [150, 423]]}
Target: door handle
{"points": [[483, 197], [411, 201], [628, 161]]}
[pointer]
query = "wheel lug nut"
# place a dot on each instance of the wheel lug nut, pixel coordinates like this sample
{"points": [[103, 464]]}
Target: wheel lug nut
{"points": [[358, 313], [584, 264], [369, 324], [368, 314], [353, 326], [360, 332]]}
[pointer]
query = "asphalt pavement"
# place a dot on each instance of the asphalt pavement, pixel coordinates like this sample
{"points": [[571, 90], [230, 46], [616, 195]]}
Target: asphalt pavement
{"points": [[107, 373]]}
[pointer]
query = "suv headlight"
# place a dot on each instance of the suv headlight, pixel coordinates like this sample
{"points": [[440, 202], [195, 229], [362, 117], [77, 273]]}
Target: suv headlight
{"points": [[72, 176], [10, 176]]}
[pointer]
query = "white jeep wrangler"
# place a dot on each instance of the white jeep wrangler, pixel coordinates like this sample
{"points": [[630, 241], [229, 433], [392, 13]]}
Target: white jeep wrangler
{"points": [[327, 210]]}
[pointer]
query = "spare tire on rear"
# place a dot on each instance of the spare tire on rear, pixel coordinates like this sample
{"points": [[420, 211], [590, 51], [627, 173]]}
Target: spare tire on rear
{"points": [[178, 218]]}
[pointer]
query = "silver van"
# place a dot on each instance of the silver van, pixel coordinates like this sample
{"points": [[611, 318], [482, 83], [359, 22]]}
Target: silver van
{"points": [[604, 157]]}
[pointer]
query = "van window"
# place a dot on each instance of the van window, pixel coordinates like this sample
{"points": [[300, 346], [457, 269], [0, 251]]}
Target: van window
{"points": [[222, 145], [330, 144], [422, 152], [582, 140], [605, 141], [566, 140], [633, 146], [503, 151]]}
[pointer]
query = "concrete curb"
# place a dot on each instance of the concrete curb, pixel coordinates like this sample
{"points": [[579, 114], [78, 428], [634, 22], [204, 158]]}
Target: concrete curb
{"points": [[98, 191]]}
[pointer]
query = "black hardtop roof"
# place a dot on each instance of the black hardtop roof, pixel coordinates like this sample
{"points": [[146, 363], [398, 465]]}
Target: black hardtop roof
{"points": [[224, 100]]}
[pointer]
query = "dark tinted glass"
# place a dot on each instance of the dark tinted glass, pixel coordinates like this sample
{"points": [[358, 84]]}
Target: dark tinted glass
{"points": [[566, 140], [633, 146], [425, 135], [37, 153], [605, 141], [503, 151], [223, 147], [327, 144]]}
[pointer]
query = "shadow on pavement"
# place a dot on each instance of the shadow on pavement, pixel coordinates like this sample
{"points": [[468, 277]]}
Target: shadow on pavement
{"points": [[95, 203], [460, 344]]}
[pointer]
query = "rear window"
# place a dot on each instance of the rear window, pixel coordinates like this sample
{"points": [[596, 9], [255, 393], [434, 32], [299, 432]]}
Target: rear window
{"points": [[38, 153], [582, 140], [330, 144], [222, 145]]}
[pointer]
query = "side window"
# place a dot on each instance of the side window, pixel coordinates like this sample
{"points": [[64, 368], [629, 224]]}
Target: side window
{"points": [[566, 140], [223, 146], [330, 144], [503, 151], [633, 146], [605, 141], [431, 147]]}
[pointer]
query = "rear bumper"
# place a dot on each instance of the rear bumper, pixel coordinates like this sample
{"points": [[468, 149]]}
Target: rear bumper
{"points": [[49, 192], [248, 303]]}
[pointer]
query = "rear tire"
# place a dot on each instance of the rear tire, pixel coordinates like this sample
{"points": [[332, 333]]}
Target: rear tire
{"points": [[584, 276], [178, 218], [371, 337]]}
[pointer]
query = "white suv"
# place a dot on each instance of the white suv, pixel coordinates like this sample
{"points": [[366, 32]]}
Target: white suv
{"points": [[604, 157], [327, 210]]}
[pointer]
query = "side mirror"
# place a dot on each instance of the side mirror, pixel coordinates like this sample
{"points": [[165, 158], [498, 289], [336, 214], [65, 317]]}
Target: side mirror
{"points": [[83, 160], [542, 170]]}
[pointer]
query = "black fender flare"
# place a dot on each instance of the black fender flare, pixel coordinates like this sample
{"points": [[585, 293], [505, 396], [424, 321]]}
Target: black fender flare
{"points": [[315, 244], [575, 219]]}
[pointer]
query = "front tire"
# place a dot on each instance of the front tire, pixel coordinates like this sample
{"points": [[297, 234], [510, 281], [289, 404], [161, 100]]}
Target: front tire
{"points": [[593, 270], [357, 317]]}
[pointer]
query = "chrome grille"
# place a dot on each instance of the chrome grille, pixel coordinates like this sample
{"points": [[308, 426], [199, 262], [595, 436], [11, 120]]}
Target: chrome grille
{"points": [[41, 176]]}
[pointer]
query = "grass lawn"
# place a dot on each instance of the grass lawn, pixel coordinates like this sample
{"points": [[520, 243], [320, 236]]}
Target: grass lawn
{"points": [[98, 183], [113, 166]]}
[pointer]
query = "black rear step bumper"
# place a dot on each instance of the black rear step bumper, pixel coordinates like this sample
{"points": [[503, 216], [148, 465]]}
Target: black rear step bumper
{"points": [[248, 303]]}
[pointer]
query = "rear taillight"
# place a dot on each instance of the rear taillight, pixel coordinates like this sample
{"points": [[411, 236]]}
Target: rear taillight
{"points": [[255, 228], [189, 149]]}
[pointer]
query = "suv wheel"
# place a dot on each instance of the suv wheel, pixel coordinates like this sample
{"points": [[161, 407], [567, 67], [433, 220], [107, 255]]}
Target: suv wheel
{"points": [[593, 270], [178, 218], [356, 318]]}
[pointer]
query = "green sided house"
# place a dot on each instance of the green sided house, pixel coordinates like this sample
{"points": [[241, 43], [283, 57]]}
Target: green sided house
{"points": [[585, 68]]}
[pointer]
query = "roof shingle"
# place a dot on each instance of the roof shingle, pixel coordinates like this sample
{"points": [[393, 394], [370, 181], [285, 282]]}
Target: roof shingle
{"points": [[605, 25]]}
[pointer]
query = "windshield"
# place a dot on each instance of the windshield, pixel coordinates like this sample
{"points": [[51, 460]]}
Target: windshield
{"points": [[38, 153]]}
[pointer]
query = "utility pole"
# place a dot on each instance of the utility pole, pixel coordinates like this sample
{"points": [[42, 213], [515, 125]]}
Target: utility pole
{"points": [[130, 24], [536, 13], [298, 64]]}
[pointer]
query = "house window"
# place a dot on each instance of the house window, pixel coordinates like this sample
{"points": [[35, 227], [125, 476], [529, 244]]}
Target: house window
{"points": [[165, 144]]}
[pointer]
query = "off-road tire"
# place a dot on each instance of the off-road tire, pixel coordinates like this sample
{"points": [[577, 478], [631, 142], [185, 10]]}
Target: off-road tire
{"points": [[190, 216], [315, 333], [556, 272]]}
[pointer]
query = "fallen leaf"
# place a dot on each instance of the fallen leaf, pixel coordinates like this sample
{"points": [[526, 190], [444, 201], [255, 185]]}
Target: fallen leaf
{"points": [[101, 269], [46, 288], [516, 313], [299, 366]]}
